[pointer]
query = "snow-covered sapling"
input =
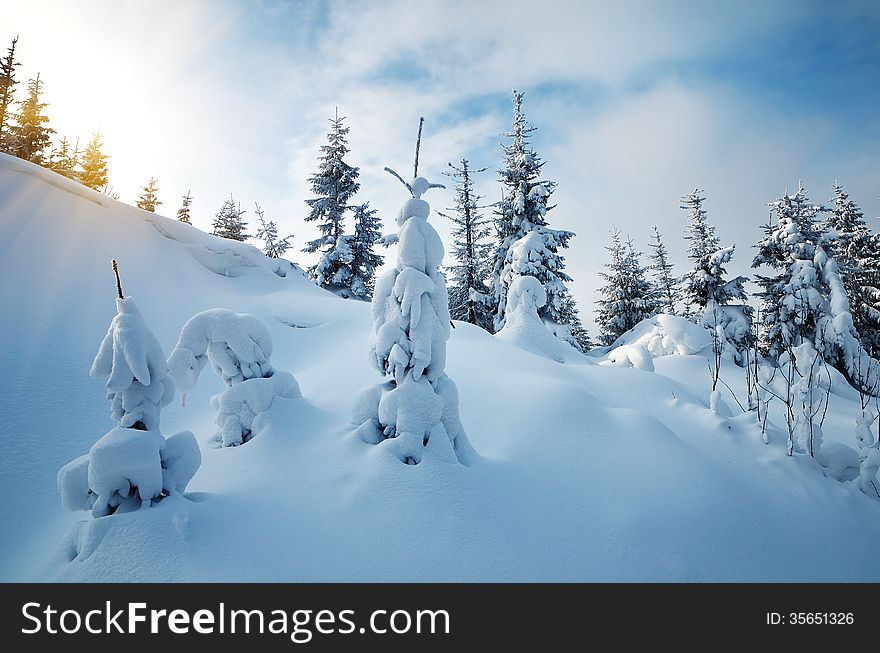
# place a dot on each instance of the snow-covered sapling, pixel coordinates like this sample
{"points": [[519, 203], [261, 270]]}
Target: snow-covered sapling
{"points": [[133, 464], [238, 347], [416, 410]]}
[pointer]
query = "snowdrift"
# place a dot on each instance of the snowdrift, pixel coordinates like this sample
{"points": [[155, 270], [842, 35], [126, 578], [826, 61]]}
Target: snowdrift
{"points": [[583, 472]]}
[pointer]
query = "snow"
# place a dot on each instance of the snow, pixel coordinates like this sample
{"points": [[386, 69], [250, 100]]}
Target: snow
{"points": [[239, 406], [584, 472]]}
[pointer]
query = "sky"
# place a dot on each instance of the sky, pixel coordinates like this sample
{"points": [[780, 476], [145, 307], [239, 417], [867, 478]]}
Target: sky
{"points": [[636, 104]]}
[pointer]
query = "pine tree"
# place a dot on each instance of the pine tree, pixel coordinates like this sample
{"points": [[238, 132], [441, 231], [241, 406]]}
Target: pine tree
{"points": [[364, 260], [469, 296], [522, 211], [148, 200], [794, 298], [93, 165], [7, 82], [334, 185], [858, 253], [668, 292], [183, 211], [274, 247], [703, 243], [627, 296], [228, 223], [31, 136], [63, 160]]}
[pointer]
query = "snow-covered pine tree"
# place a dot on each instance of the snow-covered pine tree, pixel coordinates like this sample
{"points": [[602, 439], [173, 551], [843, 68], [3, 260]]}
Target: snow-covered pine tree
{"points": [[93, 164], [333, 185], [627, 296], [148, 200], [469, 296], [7, 84], [413, 414], [364, 260], [31, 135], [732, 324], [183, 212], [857, 251], [63, 159], [268, 233], [703, 243], [228, 223], [668, 290], [522, 210], [133, 465]]}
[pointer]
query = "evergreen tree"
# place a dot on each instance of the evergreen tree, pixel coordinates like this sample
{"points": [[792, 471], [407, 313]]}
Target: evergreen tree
{"points": [[668, 292], [228, 223], [469, 296], [627, 296], [63, 160], [334, 184], [148, 200], [31, 136], [274, 247], [183, 211], [93, 165], [364, 261], [858, 254], [7, 82], [522, 211], [703, 243]]}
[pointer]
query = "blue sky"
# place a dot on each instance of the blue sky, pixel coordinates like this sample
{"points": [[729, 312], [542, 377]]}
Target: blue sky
{"points": [[636, 102]]}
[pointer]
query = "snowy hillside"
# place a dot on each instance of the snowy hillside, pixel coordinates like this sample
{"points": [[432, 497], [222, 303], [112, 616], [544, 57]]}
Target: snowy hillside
{"points": [[604, 467]]}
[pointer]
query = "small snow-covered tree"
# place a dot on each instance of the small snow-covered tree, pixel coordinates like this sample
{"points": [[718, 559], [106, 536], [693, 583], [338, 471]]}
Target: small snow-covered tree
{"points": [[238, 348], [857, 251], [274, 246], [133, 465], [364, 260], [703, 243], [64, 160], [93, 164], [31, 136], [334, 184], [148, 200], [469, 296], [413, 414], [228, 223], [7, 84], [183, 212], [627, 296], [523, 209], [668, 291]]}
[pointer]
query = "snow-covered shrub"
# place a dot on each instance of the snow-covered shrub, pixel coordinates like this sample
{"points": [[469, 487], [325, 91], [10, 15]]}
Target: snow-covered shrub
{"points": [[869, 455], [238, 346], [666, 335], [133, 464], [416, 410], [523, 327]]}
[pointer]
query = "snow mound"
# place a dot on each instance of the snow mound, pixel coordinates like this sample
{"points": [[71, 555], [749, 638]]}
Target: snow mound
{"points": [[664, 335], [238, 407]]}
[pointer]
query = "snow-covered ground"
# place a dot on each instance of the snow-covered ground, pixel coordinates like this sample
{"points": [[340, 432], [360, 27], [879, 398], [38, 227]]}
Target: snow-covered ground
{"points": [[585, 471]]}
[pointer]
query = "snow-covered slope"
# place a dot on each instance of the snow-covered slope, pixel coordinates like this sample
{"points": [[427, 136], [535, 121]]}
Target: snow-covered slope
{"points": [[585, 471]]}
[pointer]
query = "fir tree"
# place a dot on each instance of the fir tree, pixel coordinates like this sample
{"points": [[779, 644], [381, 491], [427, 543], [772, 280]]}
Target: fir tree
{"points": [[521, 211], [364, 260], [469, 296], [627, 296], [183, 211], [334, 184], [274, 247], [703, 243], [93, 164], [7, 83], [228, 223], [148, 200], [858, 254], [63, 160], [668, 292], [31, 136]]}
